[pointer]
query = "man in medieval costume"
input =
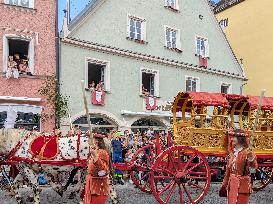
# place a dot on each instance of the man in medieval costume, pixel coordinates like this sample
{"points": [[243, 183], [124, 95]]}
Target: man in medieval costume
{"points": [[237, 182], [97, 178]]}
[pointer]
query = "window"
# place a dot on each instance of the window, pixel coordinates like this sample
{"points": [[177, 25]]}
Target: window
{"points": [[172, 38], [192, 84], [149, 82], [24, 120], [22, 3], [225, 88], [223, 23], [18, 54], [202, 47], [97, 75], [172, 4], [136, 29]]}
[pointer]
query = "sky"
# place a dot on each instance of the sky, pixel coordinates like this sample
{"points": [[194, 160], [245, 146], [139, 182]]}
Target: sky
{"points": [[76, 7]]}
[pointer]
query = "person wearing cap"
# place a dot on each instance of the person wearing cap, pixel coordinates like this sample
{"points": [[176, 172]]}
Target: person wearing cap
{"points": [[237, 185], [97, 181], [117, 155]]}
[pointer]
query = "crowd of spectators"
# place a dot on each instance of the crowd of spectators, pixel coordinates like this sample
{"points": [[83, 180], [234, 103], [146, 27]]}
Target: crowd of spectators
{"points": [[125, 145]]}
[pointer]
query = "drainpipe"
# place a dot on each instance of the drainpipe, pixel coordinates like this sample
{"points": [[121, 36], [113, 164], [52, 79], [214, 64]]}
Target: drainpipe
{"points": [[57, 122]]}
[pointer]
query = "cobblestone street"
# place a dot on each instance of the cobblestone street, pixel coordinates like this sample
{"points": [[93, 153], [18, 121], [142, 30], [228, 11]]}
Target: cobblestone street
{"points": [[131, 195]]}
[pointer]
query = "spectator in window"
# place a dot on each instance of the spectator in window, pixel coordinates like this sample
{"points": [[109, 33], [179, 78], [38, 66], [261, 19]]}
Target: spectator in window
{"points": [[92, 86], [12, 68], [17, 60], [145, 92], [23, 66], [100, 86]]}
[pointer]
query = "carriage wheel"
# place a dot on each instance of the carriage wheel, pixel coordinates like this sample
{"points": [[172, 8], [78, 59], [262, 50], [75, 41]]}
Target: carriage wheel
{"points": [[262, 178], [141, 172], [180, 174]]}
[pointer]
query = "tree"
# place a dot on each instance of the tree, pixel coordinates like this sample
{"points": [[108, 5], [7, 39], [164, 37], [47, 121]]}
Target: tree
{"points": [[58, 101]]}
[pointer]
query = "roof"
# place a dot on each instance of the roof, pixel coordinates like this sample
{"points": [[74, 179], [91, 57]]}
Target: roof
{"points": [[84, 13], [199, 99], [253, 101], [209, 99], [266, 105], [225, 4]]}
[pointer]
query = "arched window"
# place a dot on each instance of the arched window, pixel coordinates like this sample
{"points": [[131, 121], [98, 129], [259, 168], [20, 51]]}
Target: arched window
{"points": [[97, 121], [145, 123]]}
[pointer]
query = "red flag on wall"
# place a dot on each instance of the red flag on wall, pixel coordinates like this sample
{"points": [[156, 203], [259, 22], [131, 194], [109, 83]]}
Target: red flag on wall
{"points": [[150, 103], [98, 97], [203, 61]]}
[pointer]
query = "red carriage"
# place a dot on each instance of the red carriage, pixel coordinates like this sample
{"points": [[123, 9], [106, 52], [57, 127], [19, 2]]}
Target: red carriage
{"points": [[181, 171]]}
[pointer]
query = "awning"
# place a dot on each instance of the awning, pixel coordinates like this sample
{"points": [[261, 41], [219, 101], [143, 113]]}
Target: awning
{"points": [[167, 114], [266, 105], [21, 108]]}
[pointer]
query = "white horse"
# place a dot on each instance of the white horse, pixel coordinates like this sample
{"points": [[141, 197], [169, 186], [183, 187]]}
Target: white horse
{"points": [[15, 145]]}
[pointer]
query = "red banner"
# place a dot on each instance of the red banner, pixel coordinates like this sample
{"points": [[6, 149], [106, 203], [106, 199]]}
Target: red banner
{"points": [[150, 103], [98, 97], [203, 62]]}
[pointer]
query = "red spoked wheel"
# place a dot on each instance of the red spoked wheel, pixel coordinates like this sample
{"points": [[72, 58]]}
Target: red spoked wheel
{"points": [[180, 174], [141, 172], [262, 178]]}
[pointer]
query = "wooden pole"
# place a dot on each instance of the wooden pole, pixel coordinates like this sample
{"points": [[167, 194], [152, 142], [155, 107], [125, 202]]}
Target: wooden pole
{"points": [[91, 139], [256, 120], [70, 121]]}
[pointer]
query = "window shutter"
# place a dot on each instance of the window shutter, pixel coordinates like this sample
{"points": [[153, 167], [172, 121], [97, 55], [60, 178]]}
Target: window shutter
{"points": [[156, 84], [178, 40], [128, 26], [197, 84], [165, 36], [31, 56], [207, 48], [143, 31], [31, 3], [188, 81], [196, 46], [6, 53], [177, 4]]}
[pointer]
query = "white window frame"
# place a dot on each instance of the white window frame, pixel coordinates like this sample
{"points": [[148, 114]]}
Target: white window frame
{"points": [[206, 54], [176, 6], [143, 27], [156, 79], [197, 82], [30, 50], [226, 84], [31, 3], [106, 65], [178, 37]]}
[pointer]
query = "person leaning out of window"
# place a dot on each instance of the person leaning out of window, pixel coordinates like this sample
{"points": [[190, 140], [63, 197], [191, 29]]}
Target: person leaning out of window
{"points": [[237, 186]]}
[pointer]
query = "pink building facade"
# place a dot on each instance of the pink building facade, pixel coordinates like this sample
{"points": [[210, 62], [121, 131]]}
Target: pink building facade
{"points": [[28, 40]]}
